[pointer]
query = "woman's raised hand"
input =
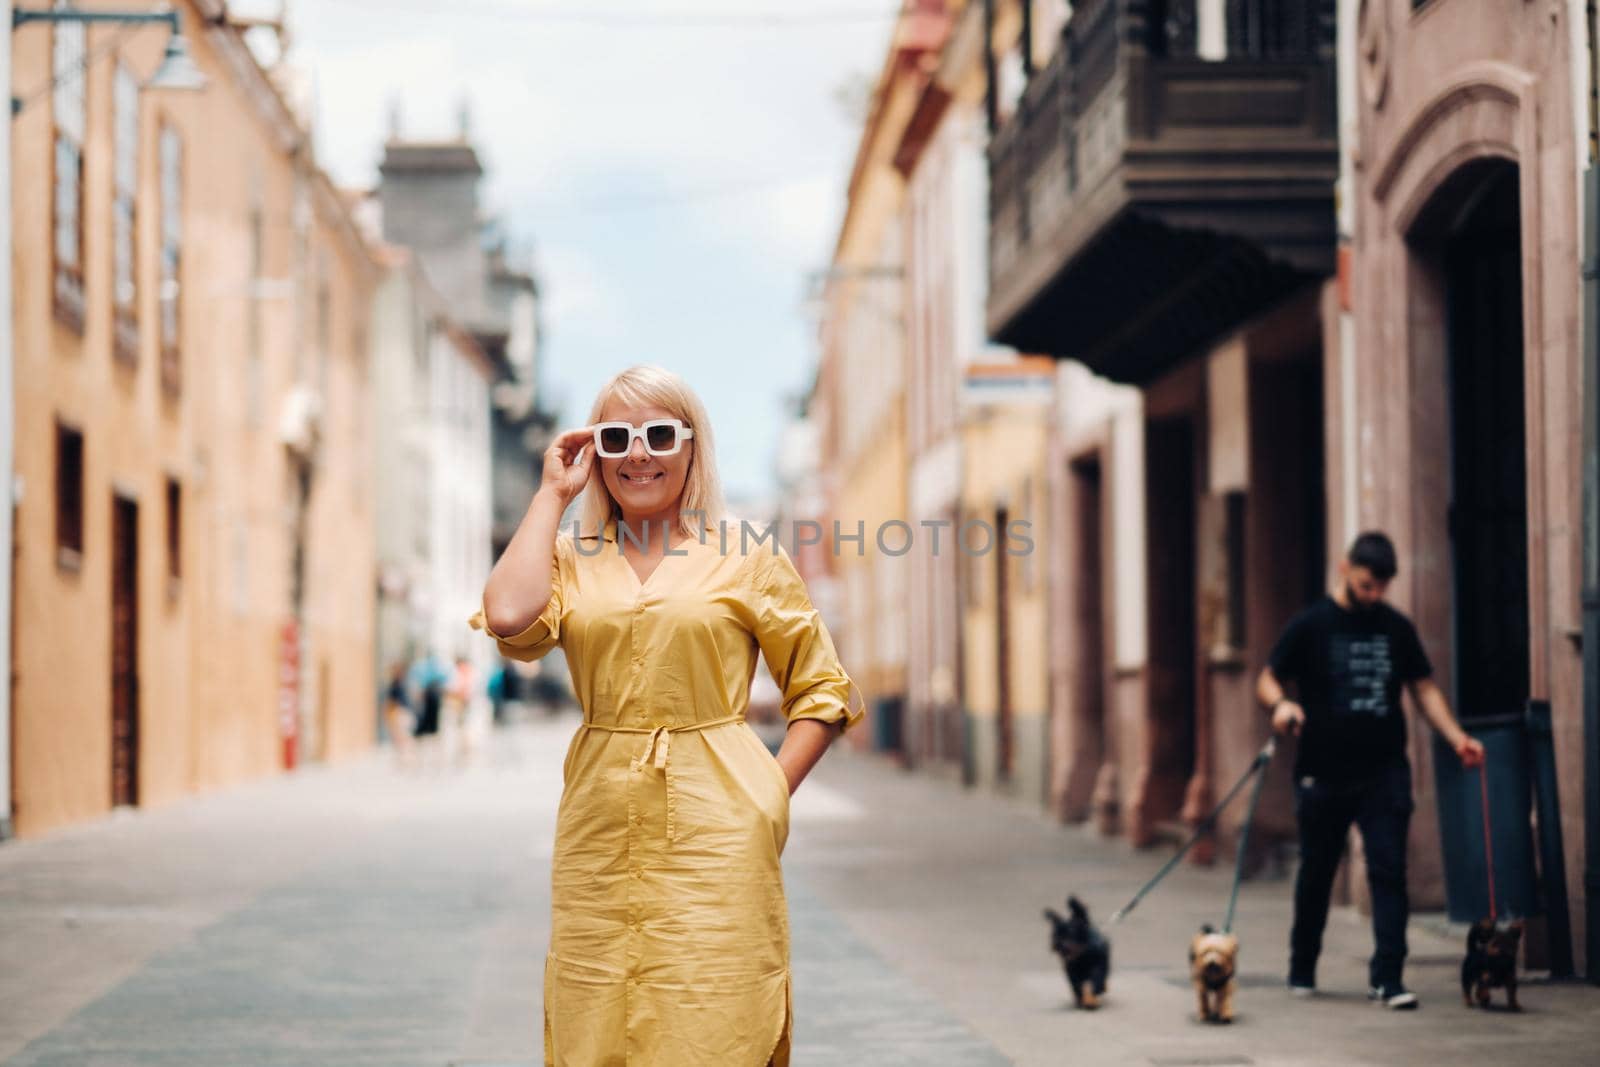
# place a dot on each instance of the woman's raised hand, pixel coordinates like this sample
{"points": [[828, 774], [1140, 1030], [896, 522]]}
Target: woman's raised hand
{"points": [[568, 463]]}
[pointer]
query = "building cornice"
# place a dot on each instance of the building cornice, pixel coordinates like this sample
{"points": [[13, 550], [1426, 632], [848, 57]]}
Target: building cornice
{"points": [[281, 124], [918, 36]]}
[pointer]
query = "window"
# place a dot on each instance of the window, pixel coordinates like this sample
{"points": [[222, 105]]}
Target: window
{"points": [[324, 322], [70, 116], [171, 249], [421, 344], [69, 495], [324, 310], [174, 529], [1010, 81], [125, 105], [254, 372], [360, 403]]}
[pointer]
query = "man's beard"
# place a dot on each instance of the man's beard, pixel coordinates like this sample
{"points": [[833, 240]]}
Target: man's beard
{"points": [[1355, 602]]}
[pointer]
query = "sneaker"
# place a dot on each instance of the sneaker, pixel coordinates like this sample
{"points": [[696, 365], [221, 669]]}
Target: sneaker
{"points": [[1393, 996], [1302, 987]]}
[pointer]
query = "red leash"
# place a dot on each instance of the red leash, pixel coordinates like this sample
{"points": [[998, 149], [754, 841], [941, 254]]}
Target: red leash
{"points": [[1488, 838]]}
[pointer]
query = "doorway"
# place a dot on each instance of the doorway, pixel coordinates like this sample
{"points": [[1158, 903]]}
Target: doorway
{"points": [[950, 702], [1469, 481], [8, 825], [1170, 499], [1087, 636], [1488, 507], [1283, 564], [1002, 609], [124, 651]]}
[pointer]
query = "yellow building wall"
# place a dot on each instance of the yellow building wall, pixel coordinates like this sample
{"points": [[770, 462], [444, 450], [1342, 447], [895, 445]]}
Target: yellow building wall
{"points": [[871, 455], [1004, 449], [207, 643], [873, 493]]}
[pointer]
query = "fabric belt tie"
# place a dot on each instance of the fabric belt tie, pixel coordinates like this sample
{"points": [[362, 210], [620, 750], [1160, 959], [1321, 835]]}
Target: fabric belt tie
{"points": [[657, 744]]}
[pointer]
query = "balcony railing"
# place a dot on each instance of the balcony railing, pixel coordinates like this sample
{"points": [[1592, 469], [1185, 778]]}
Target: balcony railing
{"points": [[1135, 167]]}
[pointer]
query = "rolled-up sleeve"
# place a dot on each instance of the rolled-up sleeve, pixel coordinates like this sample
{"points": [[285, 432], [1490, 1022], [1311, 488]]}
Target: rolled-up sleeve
{"points": [[544, 633], [798, 648]]}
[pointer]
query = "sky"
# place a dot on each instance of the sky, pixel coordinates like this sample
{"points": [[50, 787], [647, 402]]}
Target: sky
{"points": [[676, 168]]}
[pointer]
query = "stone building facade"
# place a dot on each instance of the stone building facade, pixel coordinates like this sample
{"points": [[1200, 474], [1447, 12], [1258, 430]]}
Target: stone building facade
{"points": [[193, 595]]}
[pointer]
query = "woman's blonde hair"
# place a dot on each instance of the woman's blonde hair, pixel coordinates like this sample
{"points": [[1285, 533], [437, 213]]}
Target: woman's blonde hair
{"points": [[648, 385]]}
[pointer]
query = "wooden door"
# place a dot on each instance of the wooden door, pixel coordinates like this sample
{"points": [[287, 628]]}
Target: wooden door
{"points": [[1002, 631], [124, 651]]}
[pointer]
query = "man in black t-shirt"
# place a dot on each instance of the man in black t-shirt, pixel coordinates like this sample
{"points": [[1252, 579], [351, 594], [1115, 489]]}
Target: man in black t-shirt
{"points": [[1349, 655]]}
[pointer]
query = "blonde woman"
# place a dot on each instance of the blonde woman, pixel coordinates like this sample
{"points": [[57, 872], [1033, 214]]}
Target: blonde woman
{"points": [[669, 927]]}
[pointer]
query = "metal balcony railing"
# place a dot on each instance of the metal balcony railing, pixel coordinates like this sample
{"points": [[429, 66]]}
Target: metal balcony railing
{"points": [[1142, 106]]}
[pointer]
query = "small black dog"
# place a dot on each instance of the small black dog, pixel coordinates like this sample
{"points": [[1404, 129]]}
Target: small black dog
{"points": [[1084, 952], [1491, 961]]}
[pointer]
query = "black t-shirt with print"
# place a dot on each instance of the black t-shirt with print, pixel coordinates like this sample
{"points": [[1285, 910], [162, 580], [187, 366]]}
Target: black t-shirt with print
{"points": [[1348, 667]]}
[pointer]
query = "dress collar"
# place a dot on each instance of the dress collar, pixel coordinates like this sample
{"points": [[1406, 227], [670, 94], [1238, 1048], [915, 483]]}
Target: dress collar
{"points": [[609, 534]]}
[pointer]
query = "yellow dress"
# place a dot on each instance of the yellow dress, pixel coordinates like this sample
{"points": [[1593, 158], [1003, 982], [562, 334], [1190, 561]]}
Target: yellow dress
{"points": [[669, 941]]}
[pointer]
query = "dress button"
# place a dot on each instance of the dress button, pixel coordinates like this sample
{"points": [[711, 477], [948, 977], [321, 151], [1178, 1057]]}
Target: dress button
{"points": [[637, 873]]}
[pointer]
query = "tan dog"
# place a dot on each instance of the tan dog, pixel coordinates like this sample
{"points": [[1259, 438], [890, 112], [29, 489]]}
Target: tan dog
{"points": [[1212, 961]]}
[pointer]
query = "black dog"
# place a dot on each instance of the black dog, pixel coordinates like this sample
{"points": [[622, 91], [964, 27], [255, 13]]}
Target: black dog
{"points": [[1084, 952], [1491, 961]]}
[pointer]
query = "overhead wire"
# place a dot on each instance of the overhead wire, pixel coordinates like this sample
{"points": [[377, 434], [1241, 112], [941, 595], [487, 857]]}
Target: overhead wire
{"points": [[685, 19], [705, 194]]}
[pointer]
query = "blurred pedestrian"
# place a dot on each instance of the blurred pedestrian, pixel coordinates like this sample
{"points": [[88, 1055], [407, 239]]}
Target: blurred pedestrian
{"points": [[548, 690], [428, 677], [673, 813], [499, 682], [399, 717], [1348, 655], [459, 702]]}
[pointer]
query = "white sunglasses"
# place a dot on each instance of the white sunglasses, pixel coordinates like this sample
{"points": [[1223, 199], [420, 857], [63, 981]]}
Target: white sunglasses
{"points": [[662, 437]]}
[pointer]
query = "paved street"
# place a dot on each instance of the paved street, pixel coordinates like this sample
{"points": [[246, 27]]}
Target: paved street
{"points": [[358, 916]]}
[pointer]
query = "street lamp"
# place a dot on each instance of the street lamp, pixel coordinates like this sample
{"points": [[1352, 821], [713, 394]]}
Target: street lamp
{"points": [[178, 69]]}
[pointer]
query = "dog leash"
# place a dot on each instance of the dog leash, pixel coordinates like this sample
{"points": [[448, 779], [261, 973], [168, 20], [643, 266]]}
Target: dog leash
{"points": [[1488, 835], [1257, 766], [1244, 836]]}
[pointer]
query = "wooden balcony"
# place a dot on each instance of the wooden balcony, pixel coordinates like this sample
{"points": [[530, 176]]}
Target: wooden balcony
{"points": [[1143, 199]]}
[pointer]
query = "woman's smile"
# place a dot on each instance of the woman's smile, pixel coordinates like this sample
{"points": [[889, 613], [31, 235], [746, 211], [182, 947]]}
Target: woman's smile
{"points": [[644, 484]]}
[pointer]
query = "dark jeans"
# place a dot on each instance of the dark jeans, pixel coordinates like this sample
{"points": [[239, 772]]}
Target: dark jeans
{"points": [[1381, 808]]}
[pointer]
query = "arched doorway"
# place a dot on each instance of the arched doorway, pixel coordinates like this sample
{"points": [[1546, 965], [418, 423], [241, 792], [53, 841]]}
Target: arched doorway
{"points": [[1469, 391]]}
